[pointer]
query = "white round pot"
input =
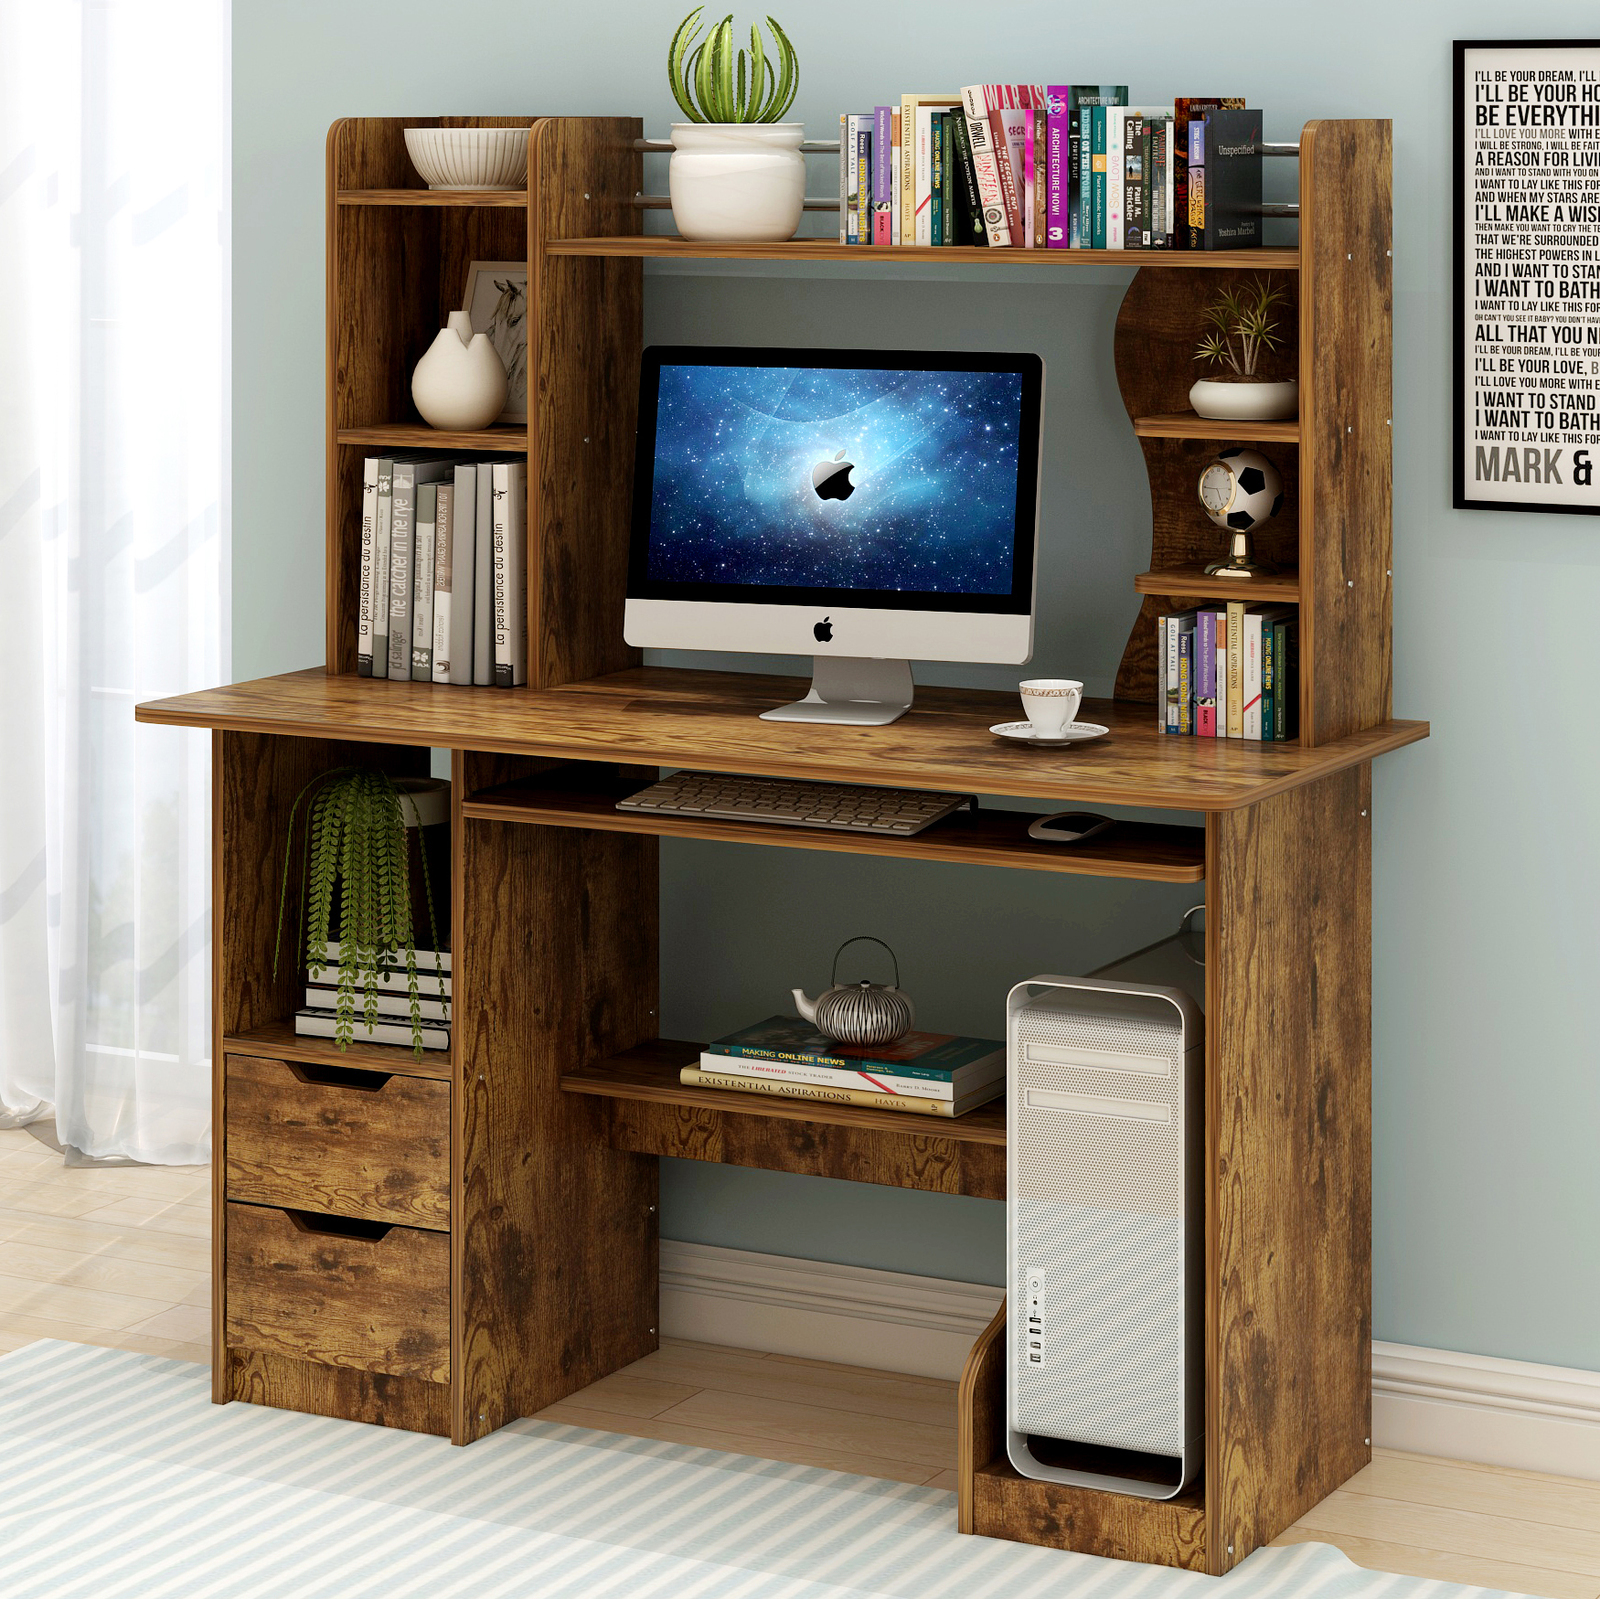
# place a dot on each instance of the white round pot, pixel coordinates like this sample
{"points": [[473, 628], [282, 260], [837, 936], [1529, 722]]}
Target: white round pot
{"points": [[1245, 401], [470, 158], [737, 182], [460, 383]]}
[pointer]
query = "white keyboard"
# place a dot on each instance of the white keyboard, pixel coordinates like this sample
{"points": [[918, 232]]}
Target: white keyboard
{"points": [[844, 807]]}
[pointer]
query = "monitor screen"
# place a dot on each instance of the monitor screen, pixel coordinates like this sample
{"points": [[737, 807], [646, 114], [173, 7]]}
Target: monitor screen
{"points": [[806, 476]]}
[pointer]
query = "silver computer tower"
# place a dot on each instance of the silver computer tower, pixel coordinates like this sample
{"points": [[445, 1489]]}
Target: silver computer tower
{"points": [[1105, 1268]]}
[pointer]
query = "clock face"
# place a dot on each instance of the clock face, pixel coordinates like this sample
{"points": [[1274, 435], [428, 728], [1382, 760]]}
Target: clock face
{"points": [[1217, 487]]}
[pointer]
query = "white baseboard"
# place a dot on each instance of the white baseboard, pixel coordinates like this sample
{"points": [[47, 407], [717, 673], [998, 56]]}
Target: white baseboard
{"points": [[1426, 1401]]}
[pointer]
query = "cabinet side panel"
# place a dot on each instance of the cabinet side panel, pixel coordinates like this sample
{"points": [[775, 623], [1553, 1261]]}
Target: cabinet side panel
{"points": [[1346, 437], [1289, 1036]]}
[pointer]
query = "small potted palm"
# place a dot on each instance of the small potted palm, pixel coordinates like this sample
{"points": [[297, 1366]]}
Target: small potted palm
{"points": [[737, 173], [1241, 330]]}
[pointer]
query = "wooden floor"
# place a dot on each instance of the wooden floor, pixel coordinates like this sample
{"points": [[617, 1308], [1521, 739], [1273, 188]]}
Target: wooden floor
{"points": [[119, 1256]]}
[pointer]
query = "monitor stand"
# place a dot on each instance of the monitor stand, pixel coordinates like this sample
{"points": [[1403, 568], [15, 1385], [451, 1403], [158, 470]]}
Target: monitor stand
{"points": [[851, 690]]}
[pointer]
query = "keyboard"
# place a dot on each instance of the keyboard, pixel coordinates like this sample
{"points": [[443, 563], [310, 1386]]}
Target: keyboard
{"points": [[844, 807]]}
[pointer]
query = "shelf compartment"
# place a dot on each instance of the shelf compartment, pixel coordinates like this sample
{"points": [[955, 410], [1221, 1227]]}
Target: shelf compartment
{"points": [[1192, 582], [1187, 425], [649, 1112], [515, 198], [419, 436], [279, 1041], [669, 245], [1151, 852]]}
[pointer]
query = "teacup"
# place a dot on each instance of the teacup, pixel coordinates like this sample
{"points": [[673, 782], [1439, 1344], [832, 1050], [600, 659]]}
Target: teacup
{"points": [[1051, 703]]}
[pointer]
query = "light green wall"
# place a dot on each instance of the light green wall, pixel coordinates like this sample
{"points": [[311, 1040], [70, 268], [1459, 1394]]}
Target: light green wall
{"points": [[1486, 1094]]}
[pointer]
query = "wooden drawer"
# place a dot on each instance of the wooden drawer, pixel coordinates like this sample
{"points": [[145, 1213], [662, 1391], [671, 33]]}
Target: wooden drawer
{"points": [[343, 1141], [339, 1292]]}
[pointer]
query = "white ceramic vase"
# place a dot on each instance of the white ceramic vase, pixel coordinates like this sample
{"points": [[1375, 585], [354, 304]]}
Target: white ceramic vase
{"points": [[737, 182], [460, 383], [1245, 401]]}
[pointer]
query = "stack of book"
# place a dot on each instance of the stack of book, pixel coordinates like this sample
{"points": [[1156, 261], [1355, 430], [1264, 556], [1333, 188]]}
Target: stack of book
{"points": [[931, 1074], [442, 562], [1229, 672], [1026, 166], [318, 1018]]}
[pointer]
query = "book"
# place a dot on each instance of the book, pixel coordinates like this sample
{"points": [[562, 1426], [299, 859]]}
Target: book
{"points": [[1186, 680], [872, 1079], [1058, 168], [408, 475], [397, 1003], [947, 180], [429, 960], [1097, 175], [844, 178], [1177, 626], [380, 569], [794, 1040], [970, 227], [309, 1023], [1196, 229], [1185, 110], [1250, 678], [422, 583], [443, 537], [1235, 669], [1161, 671], [1147, 186], [1269, 686], [1008, 122], [483, 580], [1263, 677], [463, 572], [364, 592], [1041, 177], [696, 1077], [1287, 709], [882, 206], [1222, 672], [864, 179], [1029, 185], [510, 597], [1161, 185], [852, 180], [391, 979], [936, 218], [922, 155], [1116, 174], [1081, 101], [1133, 186], [1232, 203], [894, 177], [1205, 675], [986, 168]]}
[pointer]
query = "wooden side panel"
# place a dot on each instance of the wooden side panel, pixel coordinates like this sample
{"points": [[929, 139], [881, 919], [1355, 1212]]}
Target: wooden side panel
{"points": [[1289, 1130], [338, 1391], [980, 1415], [555, 1269], [587, 332], [379, 1150], [1345, 413]]}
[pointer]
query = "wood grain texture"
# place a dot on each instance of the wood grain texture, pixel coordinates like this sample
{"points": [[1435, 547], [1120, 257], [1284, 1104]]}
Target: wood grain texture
{"points": [[386, 436], [555, 1273], [279, 1041], [586, 327], [587, 797], [514, 199], [662, 716], [372, 1304], [285, 1383], [1277, 587], [378, 1150], [1187, 425], [1187, 262], [1289, 1134], [980, 1415], [1346, 408]]}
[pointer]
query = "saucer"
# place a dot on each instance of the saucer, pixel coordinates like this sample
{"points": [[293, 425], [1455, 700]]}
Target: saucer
{"points": [[1076, 733]]}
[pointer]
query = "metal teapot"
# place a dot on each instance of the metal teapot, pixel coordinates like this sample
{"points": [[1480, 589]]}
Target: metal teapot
{"points": [[862, 1012]]}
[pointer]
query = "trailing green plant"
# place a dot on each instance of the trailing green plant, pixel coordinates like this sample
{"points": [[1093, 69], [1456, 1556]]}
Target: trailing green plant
{"points": [[356, 840], [1241, 326], [709, 85]]}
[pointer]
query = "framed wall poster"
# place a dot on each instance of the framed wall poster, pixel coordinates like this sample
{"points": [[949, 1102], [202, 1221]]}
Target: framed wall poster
{"points": [[1527, 275], [497, 303]]}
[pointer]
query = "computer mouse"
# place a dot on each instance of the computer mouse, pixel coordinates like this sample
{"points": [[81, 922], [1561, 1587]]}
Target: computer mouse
{"points": [[1069, 827]]}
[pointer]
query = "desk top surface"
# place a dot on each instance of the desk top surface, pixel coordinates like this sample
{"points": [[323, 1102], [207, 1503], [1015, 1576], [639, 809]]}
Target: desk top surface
{"points": [[665, 716]]}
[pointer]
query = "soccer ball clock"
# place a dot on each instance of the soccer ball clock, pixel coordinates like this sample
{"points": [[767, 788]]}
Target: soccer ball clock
{"points": [[1239, 491]]}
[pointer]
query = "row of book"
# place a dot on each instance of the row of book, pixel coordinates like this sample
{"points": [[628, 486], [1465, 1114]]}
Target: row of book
{"points": [[929, 1074], [1025, 166], [391, 1024], [1229, 672], [441, 596]]}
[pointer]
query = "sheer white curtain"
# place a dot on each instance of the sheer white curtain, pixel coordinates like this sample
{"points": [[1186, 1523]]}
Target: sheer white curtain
{"points": [[113, 433]]}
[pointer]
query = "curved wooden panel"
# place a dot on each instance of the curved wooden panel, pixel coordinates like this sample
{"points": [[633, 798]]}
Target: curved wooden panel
{"points": [[980, 1415]]}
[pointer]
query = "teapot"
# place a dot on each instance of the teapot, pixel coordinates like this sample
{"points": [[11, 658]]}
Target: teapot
{"points": [[861, 1012]]}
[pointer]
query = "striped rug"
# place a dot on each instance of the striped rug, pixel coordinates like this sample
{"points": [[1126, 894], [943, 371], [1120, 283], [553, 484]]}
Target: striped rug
{"points": [[119, 1479]]}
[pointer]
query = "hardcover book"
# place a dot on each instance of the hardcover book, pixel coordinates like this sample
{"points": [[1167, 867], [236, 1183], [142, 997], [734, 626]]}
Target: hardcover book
{"points": [[381, 562], [1058, 168], [386, 1005], [696, 1077], [1184, 111], [369, 528], [882, 190], [870, 1078], [510, 598], [970, 227], [1232, 207], [1205, 675], [427, 960], [986, 165], [789, 1038], [422, 583], [309, 1023], [936, 218], [1041, 177], [864, 180], [483, 581], [443, 542], [408, 475], [463, 572]]}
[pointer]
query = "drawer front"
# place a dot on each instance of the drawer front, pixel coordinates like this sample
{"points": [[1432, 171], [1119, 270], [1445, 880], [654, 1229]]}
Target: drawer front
{"points": [[341, 1293], [348, 1143]]}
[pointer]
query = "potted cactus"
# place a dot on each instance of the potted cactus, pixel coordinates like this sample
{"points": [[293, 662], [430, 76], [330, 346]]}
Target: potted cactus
{"points": [[737, 172], [1240, 331]]}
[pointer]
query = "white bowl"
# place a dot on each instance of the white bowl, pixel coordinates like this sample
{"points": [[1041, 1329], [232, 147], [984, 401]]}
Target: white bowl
{"points": [[470, 158]]}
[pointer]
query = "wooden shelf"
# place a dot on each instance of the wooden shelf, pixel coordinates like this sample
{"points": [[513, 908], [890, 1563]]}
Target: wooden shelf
{"points": [[1147, 851], [1187, 425], [1192, 582], [669, 246], [419, 436], [515, 198], [666, 716], [279, 1041]]}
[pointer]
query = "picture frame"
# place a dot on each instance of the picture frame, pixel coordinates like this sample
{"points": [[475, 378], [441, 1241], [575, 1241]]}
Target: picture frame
{"points": [[1525, 405], [496, 302]]}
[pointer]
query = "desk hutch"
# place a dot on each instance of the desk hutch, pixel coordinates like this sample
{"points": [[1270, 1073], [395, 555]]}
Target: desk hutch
{"points": [[451, 1243]]}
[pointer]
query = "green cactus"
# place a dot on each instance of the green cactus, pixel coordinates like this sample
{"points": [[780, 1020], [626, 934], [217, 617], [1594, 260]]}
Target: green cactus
{"points": [[710, 88]]}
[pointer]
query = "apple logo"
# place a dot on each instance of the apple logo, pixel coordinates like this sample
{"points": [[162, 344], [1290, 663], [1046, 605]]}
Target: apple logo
{"points": [[831, 479], [823, 631]]}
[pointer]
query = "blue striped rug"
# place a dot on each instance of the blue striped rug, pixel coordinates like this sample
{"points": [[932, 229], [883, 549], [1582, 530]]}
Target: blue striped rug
{"points": [[119, 1479]]}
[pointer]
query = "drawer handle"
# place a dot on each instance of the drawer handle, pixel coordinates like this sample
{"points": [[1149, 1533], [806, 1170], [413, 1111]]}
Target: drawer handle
{"points": [[339, 1076], [311, 1221]]}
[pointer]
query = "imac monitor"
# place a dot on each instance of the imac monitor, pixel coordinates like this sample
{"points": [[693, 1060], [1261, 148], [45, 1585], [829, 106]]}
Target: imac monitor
{"points": [[863, 507]]}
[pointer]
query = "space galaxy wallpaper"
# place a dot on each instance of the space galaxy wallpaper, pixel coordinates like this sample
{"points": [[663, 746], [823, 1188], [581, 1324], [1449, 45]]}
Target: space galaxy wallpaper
{"points": [[812, 477]]}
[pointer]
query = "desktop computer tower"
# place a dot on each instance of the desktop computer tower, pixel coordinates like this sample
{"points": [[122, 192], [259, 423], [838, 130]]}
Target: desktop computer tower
{"points": [[1105, 1369]]}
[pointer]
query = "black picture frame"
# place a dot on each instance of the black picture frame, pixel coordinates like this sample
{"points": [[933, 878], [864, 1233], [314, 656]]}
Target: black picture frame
{"points": [[1458, 297]]}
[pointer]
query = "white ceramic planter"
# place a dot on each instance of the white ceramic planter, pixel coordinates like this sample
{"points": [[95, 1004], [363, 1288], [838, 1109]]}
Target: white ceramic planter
{"points": [[470, 158], [1245, 402], [460, 383], [737, 182]]}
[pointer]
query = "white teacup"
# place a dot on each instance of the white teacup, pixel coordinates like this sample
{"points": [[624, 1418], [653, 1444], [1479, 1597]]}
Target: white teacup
{"points": [[1051, 703]]}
